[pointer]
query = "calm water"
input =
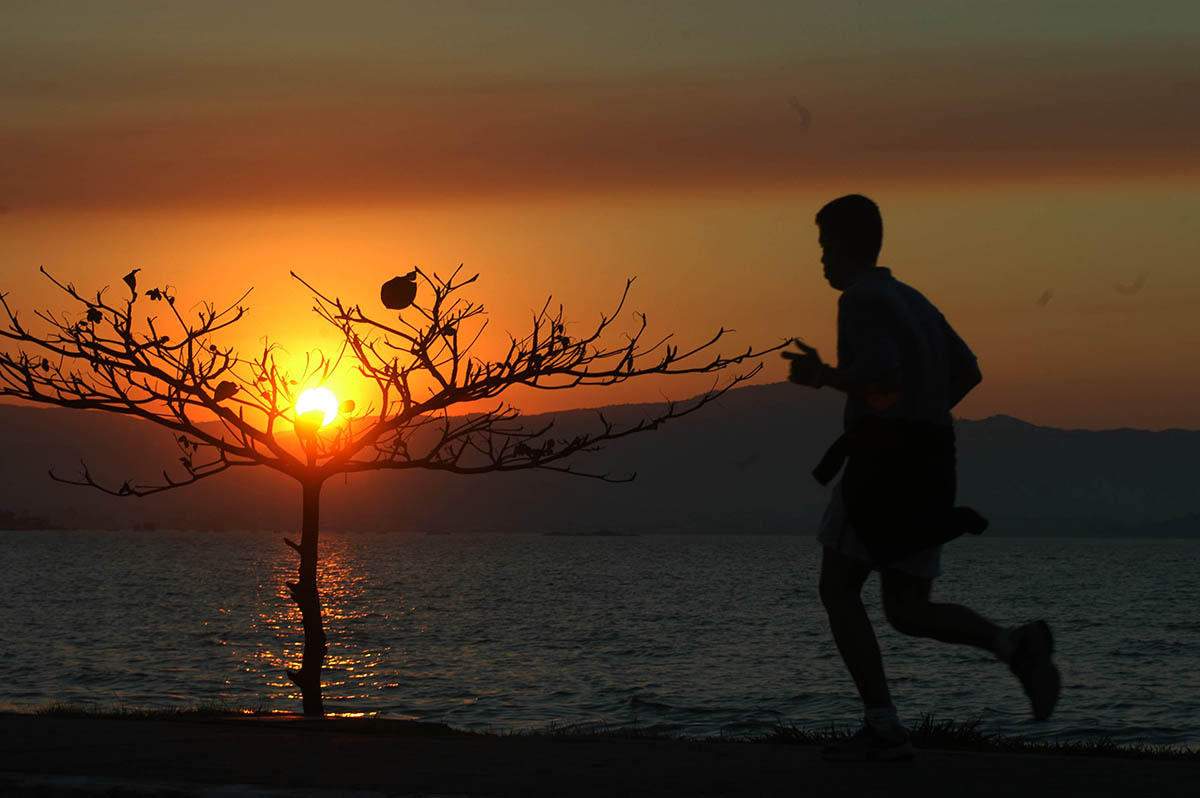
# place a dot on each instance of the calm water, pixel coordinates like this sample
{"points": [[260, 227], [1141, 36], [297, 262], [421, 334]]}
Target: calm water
{"points": [[706, 635]]}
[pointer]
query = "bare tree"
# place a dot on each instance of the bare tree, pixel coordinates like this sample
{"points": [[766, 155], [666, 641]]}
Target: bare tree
{"points": [[227, 411]]}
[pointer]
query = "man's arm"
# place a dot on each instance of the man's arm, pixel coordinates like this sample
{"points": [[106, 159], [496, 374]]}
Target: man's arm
{"points": [[878, 369], [850, 381], [874, 366], [866, 327]]}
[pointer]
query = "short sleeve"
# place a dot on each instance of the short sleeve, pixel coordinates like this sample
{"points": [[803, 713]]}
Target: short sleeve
{"points": [[959, 357]]}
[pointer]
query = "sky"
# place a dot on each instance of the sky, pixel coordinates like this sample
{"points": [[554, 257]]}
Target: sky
{"points": [[1027, 157]]}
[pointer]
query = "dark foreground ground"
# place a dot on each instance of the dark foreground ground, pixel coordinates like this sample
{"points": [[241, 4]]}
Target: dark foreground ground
{"points": [[254, 757]]}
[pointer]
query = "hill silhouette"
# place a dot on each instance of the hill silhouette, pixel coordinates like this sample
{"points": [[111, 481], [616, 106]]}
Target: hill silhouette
{"points": [[740, 465]]}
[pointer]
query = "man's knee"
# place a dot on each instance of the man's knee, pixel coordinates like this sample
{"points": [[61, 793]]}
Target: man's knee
{"points": [[841, 582], [905, 605], [904, 618]]}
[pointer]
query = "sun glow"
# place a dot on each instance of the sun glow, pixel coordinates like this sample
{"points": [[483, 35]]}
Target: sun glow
{"points": [[318, 399]]}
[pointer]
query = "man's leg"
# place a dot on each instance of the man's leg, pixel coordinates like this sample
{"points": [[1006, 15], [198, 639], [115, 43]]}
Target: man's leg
{"points": [[909, 610], [841, 584], [1027, 649], [882, 737]]}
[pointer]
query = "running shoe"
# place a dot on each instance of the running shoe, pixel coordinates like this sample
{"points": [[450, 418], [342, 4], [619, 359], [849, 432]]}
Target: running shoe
{"points": [[869, 744], [1031, 661]]}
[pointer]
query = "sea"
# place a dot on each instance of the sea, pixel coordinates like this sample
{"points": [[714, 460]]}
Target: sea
{"points": [[704, 636]]}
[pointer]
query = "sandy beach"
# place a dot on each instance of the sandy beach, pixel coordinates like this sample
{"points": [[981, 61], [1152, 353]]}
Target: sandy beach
{"points": [[45, 755]]}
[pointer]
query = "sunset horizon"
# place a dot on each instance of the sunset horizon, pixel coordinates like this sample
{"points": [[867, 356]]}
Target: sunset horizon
{"points": [[1008, 164], [639, 398]]}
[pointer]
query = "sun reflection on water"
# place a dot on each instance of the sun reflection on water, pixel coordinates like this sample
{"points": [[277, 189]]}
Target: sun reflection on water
{"points": [[356, 667]]}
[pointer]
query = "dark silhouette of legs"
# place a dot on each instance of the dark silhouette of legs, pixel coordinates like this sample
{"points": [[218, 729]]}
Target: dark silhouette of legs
{"points": [[908, 609], [1028, 649], [841, 584]]}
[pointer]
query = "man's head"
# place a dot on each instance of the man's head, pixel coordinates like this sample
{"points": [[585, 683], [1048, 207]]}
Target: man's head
{"points": [[851, 234]]}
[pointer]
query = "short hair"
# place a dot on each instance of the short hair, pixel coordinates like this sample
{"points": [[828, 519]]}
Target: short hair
{"points": [[855, 221]]}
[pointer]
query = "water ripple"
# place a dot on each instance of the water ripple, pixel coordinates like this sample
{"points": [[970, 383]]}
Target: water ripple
{"points": [[719, 636]]}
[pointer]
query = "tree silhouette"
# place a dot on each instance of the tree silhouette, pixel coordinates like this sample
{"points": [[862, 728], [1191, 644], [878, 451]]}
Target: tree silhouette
{"points": [[227, 411]]}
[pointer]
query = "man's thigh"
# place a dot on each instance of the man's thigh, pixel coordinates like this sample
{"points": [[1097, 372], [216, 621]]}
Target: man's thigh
{"points": [[841, 574], [902, 589]]}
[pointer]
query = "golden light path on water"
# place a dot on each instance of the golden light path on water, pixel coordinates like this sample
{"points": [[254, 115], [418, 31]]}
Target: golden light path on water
{"points": [[354, 667]]}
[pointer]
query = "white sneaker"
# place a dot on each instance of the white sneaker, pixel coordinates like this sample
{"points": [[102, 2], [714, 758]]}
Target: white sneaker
{"points": [[869, 744]]}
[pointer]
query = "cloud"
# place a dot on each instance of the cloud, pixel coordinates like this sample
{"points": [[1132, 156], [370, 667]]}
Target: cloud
{"points": [[345, 138]]}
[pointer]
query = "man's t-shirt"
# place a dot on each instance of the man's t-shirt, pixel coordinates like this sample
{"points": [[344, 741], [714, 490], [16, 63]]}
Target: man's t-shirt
{"points": [[886, 327], [899, 486]]}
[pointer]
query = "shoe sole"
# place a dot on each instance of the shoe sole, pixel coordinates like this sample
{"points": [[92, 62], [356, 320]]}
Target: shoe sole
{"points": [[1044, 680]]}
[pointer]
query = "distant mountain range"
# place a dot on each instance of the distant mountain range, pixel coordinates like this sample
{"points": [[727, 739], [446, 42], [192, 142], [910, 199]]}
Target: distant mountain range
{"points": [[741, 465]]}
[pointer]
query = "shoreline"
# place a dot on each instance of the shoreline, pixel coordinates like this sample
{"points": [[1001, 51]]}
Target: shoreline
{"points": [[49, 755], [946, 735]]}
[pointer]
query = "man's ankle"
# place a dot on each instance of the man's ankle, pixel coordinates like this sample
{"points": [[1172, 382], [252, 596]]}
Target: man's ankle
{"points": [[884, 719]]}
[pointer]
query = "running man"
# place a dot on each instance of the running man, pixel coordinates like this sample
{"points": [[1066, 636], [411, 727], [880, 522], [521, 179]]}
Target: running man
{"points": [[902, 368]]}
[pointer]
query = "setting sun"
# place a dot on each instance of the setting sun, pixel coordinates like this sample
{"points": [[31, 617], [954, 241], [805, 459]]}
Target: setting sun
{"points": [[318, 399]]}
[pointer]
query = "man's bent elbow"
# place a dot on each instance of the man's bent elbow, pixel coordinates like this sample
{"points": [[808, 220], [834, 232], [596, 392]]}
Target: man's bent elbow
{"points": [[964, 385]]}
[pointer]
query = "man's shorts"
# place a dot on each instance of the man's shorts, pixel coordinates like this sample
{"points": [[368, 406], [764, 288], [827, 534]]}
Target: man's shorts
{"points": [[838, 534]]}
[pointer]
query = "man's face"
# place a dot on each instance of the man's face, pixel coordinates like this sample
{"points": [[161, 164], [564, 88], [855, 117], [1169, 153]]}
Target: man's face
{"points": [[840, 265]]}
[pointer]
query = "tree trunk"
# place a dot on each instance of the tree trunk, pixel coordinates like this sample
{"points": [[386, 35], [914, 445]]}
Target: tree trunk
{"points": [[304, 592]]}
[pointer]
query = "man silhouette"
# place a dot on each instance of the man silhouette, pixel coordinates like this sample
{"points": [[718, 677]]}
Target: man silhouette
{"points": [[902, 368]]}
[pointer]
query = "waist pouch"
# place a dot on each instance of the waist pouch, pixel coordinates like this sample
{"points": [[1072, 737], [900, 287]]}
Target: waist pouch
{"points": [[899, 486]]}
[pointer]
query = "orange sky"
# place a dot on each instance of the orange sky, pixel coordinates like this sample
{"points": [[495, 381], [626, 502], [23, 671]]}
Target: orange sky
{"points": [[559, 155]]}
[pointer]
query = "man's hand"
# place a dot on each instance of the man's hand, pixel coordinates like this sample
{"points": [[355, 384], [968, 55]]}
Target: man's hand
{"points": [[806, 366]]}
